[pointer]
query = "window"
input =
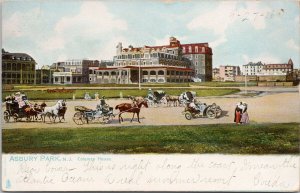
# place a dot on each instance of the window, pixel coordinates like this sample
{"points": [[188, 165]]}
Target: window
{"points": [[183, 50], [196, 63], [196, 49], [145, 72], [161, 72], [152, 72], [68, 78]]}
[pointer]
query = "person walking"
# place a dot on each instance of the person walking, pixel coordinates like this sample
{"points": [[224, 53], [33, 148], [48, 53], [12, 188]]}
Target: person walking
{"points": [[245, 116], [237, 115]]}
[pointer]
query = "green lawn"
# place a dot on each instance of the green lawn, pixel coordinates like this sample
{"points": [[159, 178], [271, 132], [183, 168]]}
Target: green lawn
{"points": [[226, 138], [115, 93], [224, 84]]}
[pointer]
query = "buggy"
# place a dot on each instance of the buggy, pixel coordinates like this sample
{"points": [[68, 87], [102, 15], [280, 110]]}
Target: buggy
{"points": [[13, 111], [85, 115], [158, 97], [186, 97], [210, 111]]}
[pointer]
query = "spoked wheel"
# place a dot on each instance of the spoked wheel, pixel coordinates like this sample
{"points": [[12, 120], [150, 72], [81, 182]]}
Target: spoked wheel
{"points": [[188, 115], [211, 114], [218, 112], [78, 118], [16, 117], [6, 116], [107, 119]]}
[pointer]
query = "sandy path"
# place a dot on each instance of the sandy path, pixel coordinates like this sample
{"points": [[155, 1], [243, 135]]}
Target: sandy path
{"points": [[275, 108]]}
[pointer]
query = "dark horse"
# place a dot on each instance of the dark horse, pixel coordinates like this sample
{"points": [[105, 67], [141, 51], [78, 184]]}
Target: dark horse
{"points": [[131, 108]]}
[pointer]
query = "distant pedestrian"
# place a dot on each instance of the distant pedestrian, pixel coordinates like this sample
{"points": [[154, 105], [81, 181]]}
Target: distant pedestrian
{"points": [[96, 96], [245, 116], [237, 115]]}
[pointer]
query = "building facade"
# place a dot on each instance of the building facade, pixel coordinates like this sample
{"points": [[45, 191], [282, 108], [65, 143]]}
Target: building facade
{"points": [[44, 75], [278, 69], [17, 68], [72, 71], [200, 55], [252, 68], [158, 64], [228, 72], [216, 74]]}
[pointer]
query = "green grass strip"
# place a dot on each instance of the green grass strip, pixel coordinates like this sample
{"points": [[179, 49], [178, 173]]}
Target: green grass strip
{"points": [[225, 138]]}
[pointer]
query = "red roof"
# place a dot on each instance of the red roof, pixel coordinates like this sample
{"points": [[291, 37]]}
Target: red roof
{"points": [[153, 67]]}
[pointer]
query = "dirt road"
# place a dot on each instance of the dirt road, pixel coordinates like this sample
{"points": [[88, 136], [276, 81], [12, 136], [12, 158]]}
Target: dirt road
{"points": [[276, 108]]}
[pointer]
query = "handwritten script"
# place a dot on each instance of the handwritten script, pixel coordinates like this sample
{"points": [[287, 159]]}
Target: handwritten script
{"points": [[150, 172]]}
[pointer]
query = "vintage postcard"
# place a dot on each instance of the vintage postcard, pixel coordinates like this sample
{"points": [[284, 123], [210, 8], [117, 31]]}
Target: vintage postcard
{"points": [[152, 95]]}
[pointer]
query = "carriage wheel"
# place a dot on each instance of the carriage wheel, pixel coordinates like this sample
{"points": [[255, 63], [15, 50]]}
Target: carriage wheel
{"points": [[188, 115], [218, 111], [211, 114], [108, 119], [28, 118], [78, 118], [16, 117], [6, 116]]}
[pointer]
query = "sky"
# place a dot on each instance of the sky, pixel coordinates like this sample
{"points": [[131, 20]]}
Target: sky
{"points": [[237, 31]]}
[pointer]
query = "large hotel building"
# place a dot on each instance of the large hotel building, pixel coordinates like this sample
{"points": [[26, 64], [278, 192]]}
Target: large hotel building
{"points": [[169, 63]]}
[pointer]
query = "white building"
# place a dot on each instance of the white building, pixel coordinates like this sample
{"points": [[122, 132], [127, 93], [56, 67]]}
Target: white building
{"points": [[252, 68]]}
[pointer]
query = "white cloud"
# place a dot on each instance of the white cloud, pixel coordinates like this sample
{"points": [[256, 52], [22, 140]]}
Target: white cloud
{"points": [[217, 19], [93, 21], [292, 45], [20, 24], [246, 58], [93, 18], [108, 50], [53, 43], [225, 15], [222, 39]]}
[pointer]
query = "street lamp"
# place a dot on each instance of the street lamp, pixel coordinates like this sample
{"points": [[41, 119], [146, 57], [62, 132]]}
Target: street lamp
{"points": [[140, 75], [245, 82]]}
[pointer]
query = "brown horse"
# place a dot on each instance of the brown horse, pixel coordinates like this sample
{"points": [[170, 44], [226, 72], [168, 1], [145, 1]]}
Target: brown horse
{"points": [[172, 99], [131, 108], [34, 111]]}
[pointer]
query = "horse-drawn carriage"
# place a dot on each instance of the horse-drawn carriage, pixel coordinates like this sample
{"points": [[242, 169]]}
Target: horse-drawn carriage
{"points": [[85, 115], [186, 97], [13, 111], [156, 98], [202, 110]]}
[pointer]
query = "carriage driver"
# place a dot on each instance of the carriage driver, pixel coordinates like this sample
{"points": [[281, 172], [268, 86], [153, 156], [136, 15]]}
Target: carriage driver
{"points": [[150, 94], [103, 106], [194, 105]]}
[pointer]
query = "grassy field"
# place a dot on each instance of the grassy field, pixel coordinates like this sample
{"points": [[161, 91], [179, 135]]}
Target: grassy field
{"points": [[52, 86], [223, 84], [115, 93], [225, 138]]}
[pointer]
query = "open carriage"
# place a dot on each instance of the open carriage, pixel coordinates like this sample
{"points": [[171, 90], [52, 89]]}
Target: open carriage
{"points": [[85, 115], [157, 98], [13, 111], [186, 97]]}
